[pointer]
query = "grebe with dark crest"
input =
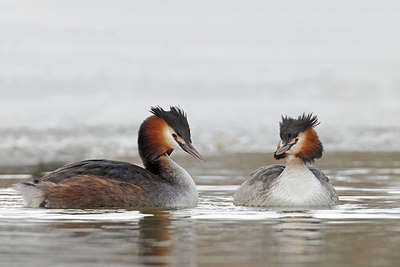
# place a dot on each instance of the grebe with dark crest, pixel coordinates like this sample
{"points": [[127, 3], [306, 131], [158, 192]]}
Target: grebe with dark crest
{"points": [[297, 184], [107, 183]]}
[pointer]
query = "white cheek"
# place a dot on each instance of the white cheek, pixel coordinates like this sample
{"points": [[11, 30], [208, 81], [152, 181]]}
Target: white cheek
{"points": [[169, 139], [296, 148]]}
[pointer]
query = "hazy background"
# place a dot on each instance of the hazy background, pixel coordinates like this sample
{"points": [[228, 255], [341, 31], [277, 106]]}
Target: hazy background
{"points": [[78, 77]]}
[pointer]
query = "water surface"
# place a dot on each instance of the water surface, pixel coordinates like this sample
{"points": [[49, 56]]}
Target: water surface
{"points": [[364, 230]]}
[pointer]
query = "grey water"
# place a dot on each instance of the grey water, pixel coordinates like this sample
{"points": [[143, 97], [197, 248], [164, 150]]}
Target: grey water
{"points": [[78, 77], [363, 230]]}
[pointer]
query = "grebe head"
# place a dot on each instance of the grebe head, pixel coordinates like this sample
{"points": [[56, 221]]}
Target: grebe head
{"points": [[163, 132], [299, 139]]}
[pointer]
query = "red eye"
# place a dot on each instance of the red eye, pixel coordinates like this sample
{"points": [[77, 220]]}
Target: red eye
{"points": [[297, 139], [174, 136]]}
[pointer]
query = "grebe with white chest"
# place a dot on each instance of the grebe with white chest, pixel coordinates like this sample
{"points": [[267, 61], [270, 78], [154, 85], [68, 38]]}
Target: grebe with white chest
{"points": [[295, 184]]}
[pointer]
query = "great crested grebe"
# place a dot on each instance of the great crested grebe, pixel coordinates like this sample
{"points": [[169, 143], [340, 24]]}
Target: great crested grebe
{"points": [[107, 183], [296, 184]]}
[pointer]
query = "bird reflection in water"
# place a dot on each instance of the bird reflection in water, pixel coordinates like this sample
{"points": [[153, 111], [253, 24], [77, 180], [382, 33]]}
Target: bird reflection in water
{"points": [[160, 241], [155, 239], [298, 239]]}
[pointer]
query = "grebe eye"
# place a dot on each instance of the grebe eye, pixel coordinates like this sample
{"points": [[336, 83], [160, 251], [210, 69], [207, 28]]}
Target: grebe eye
{"points": [[297, 139], [174, 135]]}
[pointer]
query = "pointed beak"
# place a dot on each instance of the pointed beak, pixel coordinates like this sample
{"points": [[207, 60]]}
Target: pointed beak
{"points": [[283, 149], [189, 148]]}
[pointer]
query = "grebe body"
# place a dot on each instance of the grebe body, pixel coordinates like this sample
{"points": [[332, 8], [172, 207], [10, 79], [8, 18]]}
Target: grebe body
{"points": [[295, 184], [107, 183]]}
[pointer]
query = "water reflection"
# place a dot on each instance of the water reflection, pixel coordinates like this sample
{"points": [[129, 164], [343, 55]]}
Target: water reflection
{"points": [[165, 241], [297, 239], [155, 239], [216, 233]]}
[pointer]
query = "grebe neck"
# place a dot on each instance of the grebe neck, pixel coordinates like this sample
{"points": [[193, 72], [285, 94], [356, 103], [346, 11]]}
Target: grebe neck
{"points": [[169, 170], [294, 161]]}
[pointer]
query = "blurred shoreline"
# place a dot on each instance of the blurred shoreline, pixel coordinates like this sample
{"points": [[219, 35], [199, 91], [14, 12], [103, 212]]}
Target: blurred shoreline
{"points": [[343, 159], [28, 146]]}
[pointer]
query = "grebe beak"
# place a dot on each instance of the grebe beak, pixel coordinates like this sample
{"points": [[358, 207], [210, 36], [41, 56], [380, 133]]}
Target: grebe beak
{"points": [[189, 148], [283, 149]]}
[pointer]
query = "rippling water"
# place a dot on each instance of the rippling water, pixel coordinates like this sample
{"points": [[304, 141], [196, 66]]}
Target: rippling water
{"points": [[77, 79], [364, 230]]}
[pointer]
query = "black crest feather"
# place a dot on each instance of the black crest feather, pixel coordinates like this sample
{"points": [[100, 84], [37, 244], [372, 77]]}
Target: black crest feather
{"points": [[176, 119], [290, 127]]}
